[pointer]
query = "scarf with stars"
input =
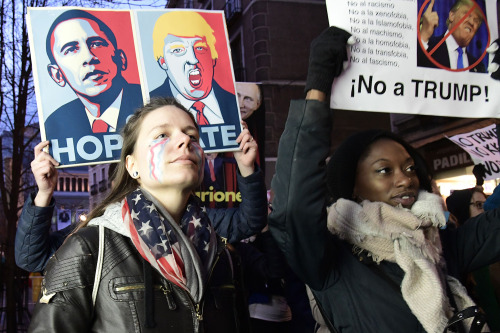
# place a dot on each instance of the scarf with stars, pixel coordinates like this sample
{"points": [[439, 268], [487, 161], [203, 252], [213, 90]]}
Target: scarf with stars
{"points": [[181, 253]]}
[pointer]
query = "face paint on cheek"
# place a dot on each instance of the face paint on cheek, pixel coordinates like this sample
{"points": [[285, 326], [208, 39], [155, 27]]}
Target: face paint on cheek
{"points": [[201, 157], [155, 158]]}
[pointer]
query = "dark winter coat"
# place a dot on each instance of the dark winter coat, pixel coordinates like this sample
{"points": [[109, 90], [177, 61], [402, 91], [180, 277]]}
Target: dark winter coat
{"points": [[355, 295]]}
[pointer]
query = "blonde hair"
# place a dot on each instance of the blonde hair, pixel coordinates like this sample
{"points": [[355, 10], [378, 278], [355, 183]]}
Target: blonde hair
{"points": [[460, 3], [182, 24]]}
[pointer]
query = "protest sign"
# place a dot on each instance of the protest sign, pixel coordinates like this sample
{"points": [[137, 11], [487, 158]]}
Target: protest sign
{"points": [[93, 68], [185, 54], [392, 68], [482, 146], [86, 81]]}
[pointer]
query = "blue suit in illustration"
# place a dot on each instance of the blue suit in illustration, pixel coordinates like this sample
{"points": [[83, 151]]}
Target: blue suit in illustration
{"points": [[226, 100], [442, 57], [70, 121], [227, 104]]}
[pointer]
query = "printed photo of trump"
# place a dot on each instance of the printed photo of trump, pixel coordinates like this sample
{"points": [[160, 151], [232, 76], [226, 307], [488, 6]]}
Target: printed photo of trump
{"points": [[186, 56], [453, 35]]}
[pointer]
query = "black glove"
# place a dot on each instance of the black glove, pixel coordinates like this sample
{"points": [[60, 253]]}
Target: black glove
{"points": [[326, 57], [479, 171], [494, 51]]}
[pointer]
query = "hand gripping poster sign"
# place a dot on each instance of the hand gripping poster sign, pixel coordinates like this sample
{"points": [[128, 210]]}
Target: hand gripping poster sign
{"points": [[185, 54], [482, 146], [418, 56], [88, 76]]}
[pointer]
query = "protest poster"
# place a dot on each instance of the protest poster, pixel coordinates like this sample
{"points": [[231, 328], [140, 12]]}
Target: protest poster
{"points": [[219, 188], [86, 80], [391, 68], [89, 80], [185, 54], [482, 146], [63, 218]]}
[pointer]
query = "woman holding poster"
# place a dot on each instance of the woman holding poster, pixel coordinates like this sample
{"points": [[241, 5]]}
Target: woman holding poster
{"points": [[150, 259], [376, 260]]}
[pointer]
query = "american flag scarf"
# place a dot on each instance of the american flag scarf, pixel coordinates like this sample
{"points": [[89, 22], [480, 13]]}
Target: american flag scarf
{"points": [[158, 242]]}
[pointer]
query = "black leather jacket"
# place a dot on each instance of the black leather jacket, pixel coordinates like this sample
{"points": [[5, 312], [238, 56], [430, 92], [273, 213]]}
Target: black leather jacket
{"points": [[120, 305]]}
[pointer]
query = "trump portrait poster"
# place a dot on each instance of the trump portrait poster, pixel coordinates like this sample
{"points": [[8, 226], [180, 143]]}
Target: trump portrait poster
{"points": [[185, 54]]}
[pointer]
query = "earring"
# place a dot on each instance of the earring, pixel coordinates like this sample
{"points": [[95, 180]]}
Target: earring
{"points": [[357, 198], [135, 174]]}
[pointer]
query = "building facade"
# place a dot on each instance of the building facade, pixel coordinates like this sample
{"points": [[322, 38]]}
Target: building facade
{"points": [[71, 197], [100, 183], [71, 194]]}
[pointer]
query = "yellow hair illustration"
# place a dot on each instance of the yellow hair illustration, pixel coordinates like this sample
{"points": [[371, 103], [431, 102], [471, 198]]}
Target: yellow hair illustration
{"points": [[182, 24]]}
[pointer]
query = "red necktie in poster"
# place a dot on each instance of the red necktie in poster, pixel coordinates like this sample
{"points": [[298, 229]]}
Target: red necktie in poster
{"points": [[200, 117], [99, 126], [212, 171]]}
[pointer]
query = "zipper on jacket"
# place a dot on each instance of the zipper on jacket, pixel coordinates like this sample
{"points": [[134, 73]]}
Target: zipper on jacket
{"points": [[134, 287], [219, 252], [228, 287], [198, 307], [197, 314], [167, 291]]}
